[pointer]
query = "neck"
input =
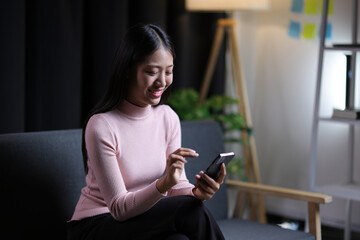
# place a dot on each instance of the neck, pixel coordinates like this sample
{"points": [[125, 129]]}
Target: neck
{"points": [[133, 110]]}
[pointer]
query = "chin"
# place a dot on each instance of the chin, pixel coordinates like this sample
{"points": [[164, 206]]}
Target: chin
{"points": [[154, 102]]}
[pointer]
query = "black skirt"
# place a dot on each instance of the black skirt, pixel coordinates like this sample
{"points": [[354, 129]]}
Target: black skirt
{"points": [[175, 218]]}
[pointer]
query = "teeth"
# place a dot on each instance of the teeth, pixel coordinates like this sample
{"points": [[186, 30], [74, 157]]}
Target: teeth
{"points": [[156, 92]]}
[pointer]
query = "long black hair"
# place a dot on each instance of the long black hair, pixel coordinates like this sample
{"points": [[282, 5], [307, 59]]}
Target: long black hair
{"points": [[139, 42]]}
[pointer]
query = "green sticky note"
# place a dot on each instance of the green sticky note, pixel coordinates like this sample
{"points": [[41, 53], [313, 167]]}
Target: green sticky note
{"points": [[309, 31], [311, 7], [330, 7]]}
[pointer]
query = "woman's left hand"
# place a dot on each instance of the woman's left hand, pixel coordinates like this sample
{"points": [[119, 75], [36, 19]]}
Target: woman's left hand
{"points": [[206, 187]]}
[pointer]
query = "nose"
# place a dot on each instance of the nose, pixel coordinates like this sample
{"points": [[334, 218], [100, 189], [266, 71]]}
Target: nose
{"points": [[160, 81]]}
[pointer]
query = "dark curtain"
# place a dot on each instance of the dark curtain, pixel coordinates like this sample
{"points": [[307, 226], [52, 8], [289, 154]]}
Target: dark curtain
{"points": [[56, 55]]}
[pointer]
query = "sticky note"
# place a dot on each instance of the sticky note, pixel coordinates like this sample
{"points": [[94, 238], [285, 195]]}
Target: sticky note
{"points": [[328, 31], [330, 7], [309, 31], [311, 6], [297, 6], [294, 29]]}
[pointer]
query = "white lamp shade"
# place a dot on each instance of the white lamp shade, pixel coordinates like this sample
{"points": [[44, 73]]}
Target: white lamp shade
{"points": [[226, 5]]}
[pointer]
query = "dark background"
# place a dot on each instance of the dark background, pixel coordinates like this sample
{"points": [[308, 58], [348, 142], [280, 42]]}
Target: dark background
{"points": [[56, 55]]}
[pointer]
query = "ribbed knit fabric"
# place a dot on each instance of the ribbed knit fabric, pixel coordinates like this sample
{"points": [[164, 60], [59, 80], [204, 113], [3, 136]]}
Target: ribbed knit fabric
{"points": [[127, 150]]}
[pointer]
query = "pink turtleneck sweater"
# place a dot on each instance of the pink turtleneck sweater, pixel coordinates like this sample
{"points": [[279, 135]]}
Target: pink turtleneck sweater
{"points": [[127, 150]]}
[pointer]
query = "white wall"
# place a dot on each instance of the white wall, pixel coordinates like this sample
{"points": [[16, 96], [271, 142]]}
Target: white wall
{"points": [[280, 72]]}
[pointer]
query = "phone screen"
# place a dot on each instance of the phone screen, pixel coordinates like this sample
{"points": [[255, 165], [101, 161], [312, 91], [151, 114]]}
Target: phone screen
{"points": [[214, 168]]}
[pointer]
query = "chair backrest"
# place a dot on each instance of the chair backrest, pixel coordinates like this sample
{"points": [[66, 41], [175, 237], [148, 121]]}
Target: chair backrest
{"points": [[42, 173], [206, 137]]}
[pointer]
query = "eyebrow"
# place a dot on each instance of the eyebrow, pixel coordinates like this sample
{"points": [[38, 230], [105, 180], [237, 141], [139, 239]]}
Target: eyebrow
{"points": [[158, 66]]}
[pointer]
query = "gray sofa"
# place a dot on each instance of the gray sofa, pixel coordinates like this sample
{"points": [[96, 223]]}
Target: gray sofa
{"points": [[42, 174]]}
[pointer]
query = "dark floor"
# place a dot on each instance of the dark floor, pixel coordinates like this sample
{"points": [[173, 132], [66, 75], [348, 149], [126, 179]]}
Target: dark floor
{"points": [[328, 233]]}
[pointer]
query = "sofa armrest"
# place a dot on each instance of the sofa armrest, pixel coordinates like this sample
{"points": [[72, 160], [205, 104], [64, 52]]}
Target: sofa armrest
{"points": [[313, 199], [279, 191]]}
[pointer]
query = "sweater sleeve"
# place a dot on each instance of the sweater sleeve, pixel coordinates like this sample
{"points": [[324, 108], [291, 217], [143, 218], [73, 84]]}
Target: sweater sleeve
{"points": [[184, 187], [101, 145]]}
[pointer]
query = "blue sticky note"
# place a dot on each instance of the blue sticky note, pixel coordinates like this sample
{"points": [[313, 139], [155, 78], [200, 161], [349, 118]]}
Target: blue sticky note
{"points": [[297, 6], [328, 31], [294, 29]]}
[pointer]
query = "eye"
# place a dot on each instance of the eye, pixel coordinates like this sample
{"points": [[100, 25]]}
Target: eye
{"points": [[169, 71], [151, 73]]}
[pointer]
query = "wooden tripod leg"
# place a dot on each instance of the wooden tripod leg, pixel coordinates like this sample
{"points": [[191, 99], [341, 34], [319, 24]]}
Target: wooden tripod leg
{"points": [[245, 111], [240, 204], [219, 35], [256, 172], [250, 177]]}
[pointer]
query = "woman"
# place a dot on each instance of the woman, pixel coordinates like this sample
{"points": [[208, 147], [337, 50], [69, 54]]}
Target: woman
{"points": [[133, 158]]}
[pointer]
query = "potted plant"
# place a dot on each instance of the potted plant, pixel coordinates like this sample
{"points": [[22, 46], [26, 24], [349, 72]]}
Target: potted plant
{"points": [[185, 103]]}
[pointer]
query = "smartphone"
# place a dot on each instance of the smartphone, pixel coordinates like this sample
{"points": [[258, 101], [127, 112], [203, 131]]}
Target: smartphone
{"points": [[214, 169]]}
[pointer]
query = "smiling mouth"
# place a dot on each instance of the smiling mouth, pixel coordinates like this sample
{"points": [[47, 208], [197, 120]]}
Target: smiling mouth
{"points": [[156, 93]]}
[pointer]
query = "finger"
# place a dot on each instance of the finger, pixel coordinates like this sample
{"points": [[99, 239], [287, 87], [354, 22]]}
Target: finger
{"points": [[205, 189], [203, 192], [186, 152], [175, 157], [186, 149], [222, 175], [214, 185], [200, 195], [178, 165], [205, 186], [207, 179], [204, 195]]}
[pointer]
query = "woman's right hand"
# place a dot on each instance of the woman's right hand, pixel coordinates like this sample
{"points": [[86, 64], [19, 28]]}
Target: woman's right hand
{"points": [[174, 167]]}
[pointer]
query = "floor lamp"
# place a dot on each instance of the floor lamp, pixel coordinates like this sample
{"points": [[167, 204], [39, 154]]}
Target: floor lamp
{"points": [[223, 26]]}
